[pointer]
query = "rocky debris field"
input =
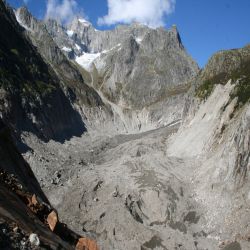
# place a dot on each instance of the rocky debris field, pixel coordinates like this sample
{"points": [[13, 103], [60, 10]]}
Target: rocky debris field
{"points": [[170, 188], [125, 191], [11, 237]]}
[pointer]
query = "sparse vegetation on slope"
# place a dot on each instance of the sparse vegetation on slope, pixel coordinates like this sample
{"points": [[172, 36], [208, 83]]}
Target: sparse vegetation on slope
{"points": [[21, 68], [226, 65], [242, 90], [205, 89]]}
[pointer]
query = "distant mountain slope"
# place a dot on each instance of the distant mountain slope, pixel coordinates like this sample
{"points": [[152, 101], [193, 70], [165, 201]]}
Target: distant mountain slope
{"points": [[137, 65]]}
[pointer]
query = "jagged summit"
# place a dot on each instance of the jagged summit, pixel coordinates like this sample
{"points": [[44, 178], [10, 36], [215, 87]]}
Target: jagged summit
{"points": [[79, 25], [79, 36], [96, 40], [79, 21]]}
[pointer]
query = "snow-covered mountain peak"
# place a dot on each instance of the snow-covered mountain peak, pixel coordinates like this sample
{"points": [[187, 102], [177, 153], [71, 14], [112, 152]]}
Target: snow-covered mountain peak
{"points": [[79, 24], [84, 22]]}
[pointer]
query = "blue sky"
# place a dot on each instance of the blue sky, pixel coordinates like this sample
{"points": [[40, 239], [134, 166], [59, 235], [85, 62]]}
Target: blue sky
{"points": [[205, 26]]}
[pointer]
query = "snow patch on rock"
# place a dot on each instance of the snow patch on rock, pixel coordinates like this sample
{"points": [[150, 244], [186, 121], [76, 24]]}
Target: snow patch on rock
{"points": [[78, 47], [66, 49], [139, 40], [84, 22], [70, 33], [87, 59], [113, 48]]}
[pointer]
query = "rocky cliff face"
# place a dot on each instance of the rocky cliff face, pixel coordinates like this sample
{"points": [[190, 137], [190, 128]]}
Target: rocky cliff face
{"points": [[159, 57], [31, 96]]}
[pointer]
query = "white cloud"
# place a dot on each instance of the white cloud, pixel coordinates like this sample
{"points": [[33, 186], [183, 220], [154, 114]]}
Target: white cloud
{"points": [[61, 10], [149, 12], [25, 1]]}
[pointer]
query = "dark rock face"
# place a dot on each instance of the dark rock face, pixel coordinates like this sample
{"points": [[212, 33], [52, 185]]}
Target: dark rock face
{"points": [[13, 163], [30, 92]]}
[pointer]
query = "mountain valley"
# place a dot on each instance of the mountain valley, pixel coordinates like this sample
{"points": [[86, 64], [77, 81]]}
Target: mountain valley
{"points": [[122, 136]]}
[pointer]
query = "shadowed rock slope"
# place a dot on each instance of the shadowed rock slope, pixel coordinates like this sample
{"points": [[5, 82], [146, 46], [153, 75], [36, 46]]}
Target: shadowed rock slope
{"points": [[31, 98]]}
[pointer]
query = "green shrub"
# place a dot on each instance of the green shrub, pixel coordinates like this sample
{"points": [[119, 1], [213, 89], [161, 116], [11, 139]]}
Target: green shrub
{"points": [[15, 52], [205, 89], [44, 88], [38, 87], [242, 89]]}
